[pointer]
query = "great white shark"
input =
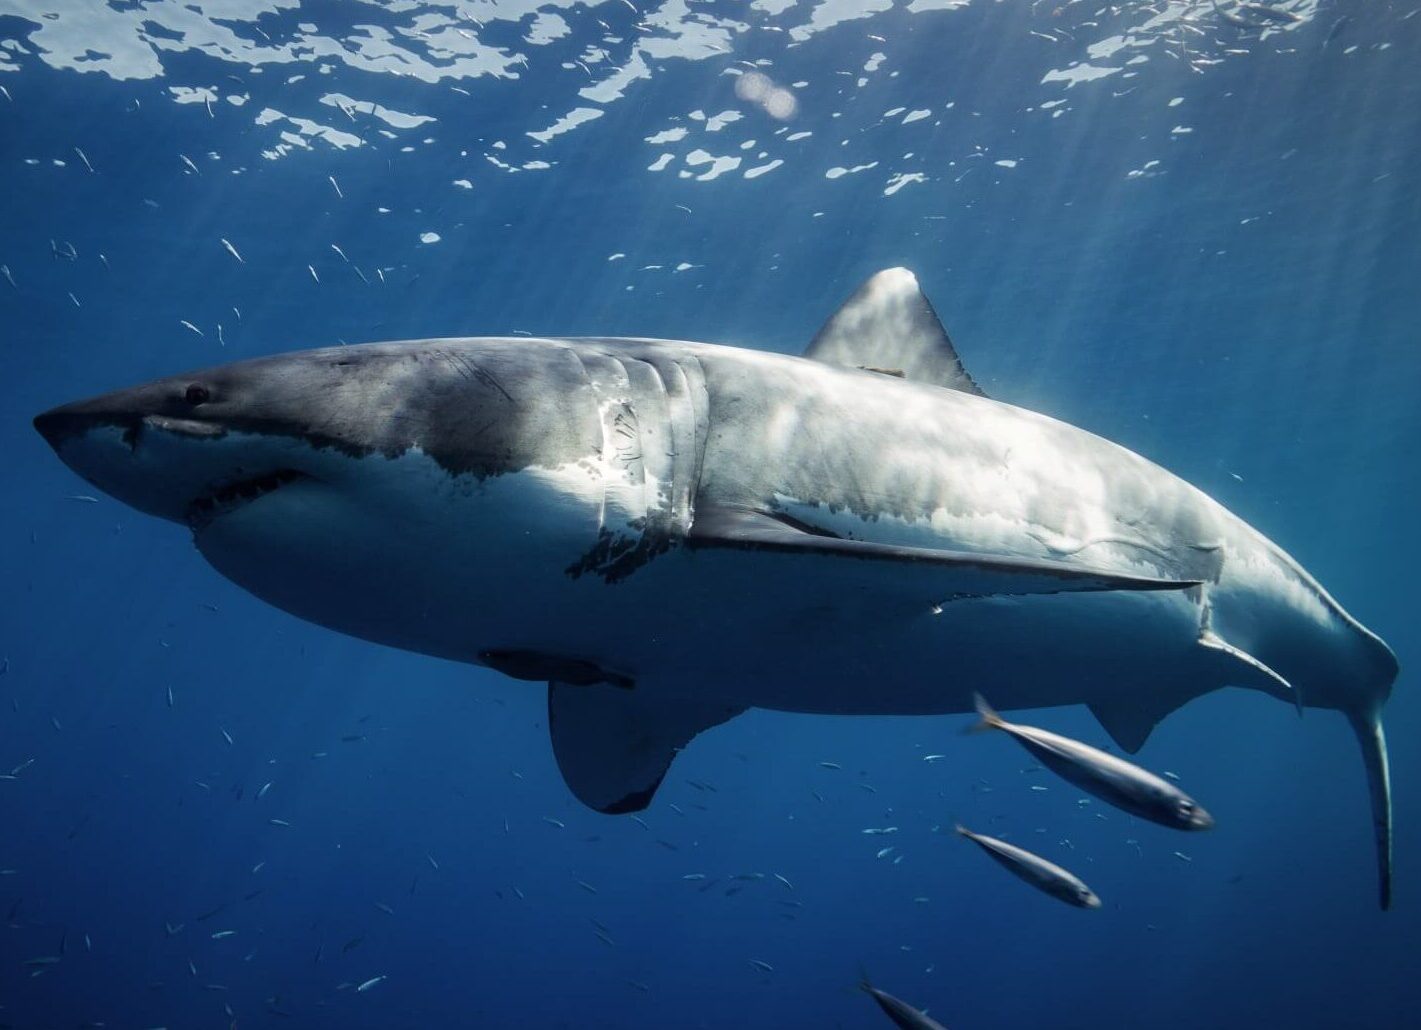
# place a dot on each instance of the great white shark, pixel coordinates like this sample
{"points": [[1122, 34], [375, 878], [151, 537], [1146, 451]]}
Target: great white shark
{"points": [[669, 533]]}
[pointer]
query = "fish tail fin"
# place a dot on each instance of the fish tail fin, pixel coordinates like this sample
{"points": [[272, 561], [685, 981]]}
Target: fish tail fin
{"points": [[989, 719], [1367, 725], [865, 984]]}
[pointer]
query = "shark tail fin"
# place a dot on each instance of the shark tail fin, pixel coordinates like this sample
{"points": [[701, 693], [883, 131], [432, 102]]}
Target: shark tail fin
{"points": [[1367, 725], [989, 719]]}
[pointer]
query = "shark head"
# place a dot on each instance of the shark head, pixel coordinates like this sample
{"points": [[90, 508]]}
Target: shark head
{"points": [[198, 447], [308, 477], [201, 446]]}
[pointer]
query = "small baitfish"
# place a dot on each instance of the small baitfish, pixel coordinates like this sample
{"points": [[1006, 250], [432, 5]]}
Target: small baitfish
{"points": [[1111, 779], [900, 1012], [1035, 870]]}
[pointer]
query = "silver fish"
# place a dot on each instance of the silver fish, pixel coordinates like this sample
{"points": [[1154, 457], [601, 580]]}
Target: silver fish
{"points": [[900, 1012], [1035, 870], [1111, 779]]}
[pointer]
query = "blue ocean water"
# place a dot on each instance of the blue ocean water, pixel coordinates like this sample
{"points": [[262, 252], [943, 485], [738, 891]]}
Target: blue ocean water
{"points": [[1190, 228]]}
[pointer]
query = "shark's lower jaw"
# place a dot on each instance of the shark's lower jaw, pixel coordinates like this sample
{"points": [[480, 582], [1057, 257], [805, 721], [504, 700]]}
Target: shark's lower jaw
{"points": [[233, 494]]}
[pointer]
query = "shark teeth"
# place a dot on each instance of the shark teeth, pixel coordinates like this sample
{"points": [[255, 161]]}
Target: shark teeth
{"points": [[235, 493]]}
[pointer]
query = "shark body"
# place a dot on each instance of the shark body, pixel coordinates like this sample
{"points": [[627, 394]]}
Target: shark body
{"points": [[668, 533]]}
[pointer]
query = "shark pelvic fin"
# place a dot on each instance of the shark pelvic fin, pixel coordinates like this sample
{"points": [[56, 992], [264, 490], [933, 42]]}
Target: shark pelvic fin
{"points": [[956, 575], [614, 746], [889, 326], [1128, 723], [1372, 740]]}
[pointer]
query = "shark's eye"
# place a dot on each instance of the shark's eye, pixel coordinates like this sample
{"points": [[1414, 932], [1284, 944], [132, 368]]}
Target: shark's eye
{"points": [[196, 394]]}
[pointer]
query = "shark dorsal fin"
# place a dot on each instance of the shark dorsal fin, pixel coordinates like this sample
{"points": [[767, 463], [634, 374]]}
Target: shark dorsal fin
{"points": [[889, 324]]}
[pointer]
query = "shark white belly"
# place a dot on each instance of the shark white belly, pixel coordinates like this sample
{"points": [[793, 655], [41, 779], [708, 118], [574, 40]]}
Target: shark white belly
{"points": [[669, 533]]}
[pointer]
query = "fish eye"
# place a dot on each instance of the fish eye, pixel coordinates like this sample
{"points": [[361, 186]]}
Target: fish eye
{"points": [[196, 394]]}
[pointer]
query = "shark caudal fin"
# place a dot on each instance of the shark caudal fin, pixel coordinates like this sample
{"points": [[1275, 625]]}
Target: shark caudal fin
{"points": [[1372, 740], [989, 719]]}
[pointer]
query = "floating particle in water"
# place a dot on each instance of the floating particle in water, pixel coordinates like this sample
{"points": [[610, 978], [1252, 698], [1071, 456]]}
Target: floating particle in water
{"points": [[776, 101]]}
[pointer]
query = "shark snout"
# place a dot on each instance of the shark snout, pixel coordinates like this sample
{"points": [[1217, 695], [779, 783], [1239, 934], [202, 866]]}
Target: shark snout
{"points": [[139, 447], [74, 421], [167, 449]]}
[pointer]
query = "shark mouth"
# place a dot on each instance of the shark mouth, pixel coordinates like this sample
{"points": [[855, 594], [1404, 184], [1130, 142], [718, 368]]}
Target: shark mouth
{"points": [[233, 494]]}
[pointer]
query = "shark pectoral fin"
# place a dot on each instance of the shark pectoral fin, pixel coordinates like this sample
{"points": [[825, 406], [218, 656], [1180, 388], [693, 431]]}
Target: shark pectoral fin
{"points": [[959, 573], [888, 326], [613, 746], [1244, 670], [1129, 725], [1372, 740]]}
